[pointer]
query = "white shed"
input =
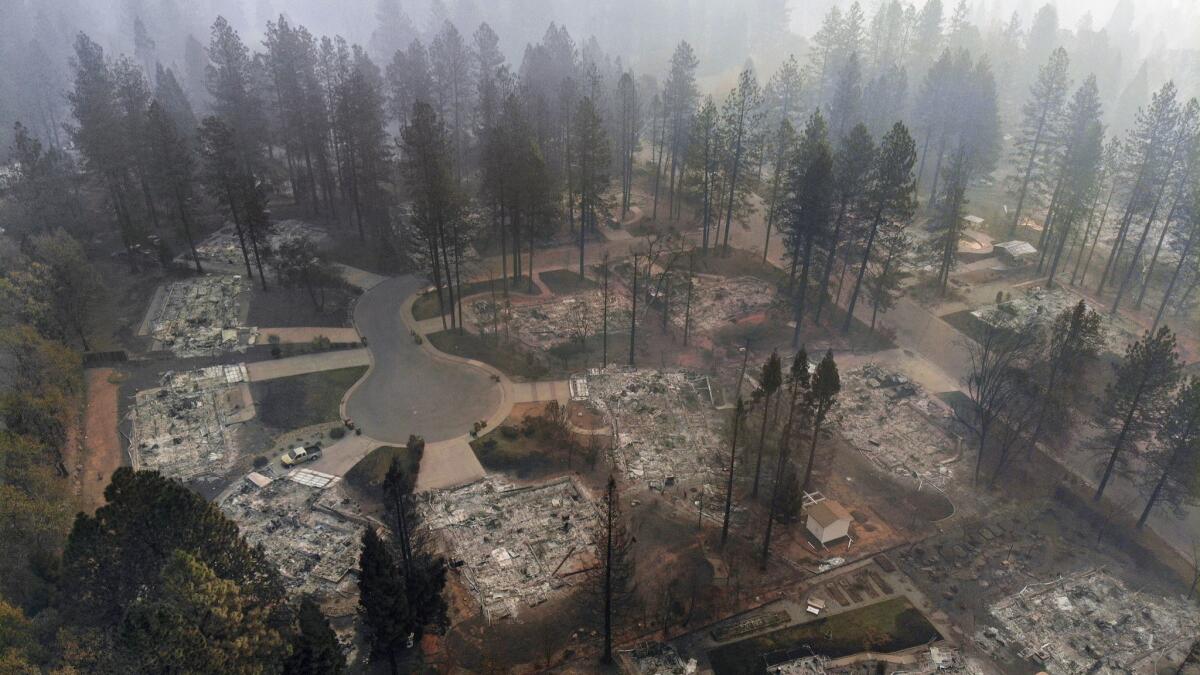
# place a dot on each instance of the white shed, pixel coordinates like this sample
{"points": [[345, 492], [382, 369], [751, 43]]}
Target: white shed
{"points": [[828, 521]]}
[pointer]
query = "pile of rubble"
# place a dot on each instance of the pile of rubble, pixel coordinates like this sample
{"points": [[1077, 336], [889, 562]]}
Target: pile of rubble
{"points": [[890, 419], [1042, 305], [308, 528], [184, 429], [660, 659], [1091, 622], [719, 301], [223, 246], [942, 660], [668, 430], [201, 316], [515, 545], [549, 323]]}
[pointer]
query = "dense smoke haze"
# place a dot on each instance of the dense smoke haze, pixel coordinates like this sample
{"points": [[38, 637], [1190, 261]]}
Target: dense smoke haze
{"points": [[821, 337], [1124, 42]]}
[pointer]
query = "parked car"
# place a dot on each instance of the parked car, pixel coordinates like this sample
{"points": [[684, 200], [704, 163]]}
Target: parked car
{"points": [[300, 455]]}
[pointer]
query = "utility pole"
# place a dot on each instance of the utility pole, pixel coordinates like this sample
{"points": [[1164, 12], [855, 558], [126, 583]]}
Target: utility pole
{"points": [[737, 418], [633, 311]]}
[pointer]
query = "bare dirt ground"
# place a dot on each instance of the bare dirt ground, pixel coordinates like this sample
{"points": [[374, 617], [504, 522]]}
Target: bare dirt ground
{"points": [[101, 446]]}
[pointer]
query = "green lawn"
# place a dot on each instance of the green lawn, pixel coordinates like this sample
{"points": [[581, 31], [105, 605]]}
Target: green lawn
{"points": [[302, 400], [562, 282], [426, 305], [504, 357], [530, 452], [734, 263], [888, 626], [368, 474]]}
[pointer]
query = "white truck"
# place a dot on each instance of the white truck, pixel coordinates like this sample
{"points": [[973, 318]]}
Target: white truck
{"points": [[300, 455]]}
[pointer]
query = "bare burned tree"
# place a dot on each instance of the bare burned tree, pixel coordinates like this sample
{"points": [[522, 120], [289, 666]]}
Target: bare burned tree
{"points": [[617, 564], [995, 384]]}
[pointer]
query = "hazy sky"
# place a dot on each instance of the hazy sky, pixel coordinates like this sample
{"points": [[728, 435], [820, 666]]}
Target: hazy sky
{"points": [[1069, 11]]}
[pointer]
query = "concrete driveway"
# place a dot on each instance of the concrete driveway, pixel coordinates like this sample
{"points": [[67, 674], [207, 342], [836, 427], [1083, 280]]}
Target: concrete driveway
{"points": [[407, 391]]}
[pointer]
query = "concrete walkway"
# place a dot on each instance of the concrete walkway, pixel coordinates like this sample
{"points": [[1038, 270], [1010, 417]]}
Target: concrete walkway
{"points": [[360, 278], [309, 363], [447, 464], [555, 390]]}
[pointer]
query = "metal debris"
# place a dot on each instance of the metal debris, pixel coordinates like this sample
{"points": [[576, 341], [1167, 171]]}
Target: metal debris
{"points": [[889, 418], [668, 431], [1092, 623], [311, 534], [201, 316], [515, 545], [183, 429]]}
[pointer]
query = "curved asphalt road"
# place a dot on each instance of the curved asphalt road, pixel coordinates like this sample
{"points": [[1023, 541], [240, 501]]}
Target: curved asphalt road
{"points": [[407, 391]]}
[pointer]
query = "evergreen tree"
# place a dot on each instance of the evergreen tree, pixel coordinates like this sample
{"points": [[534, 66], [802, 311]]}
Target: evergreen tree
{"points": [[628, 139], [383, 601], [845, 100], [592, 160], [173, 169], [740, 115], [786, 499], [1178, 161], [1173, 475], [887, 275], [1082, 156], [117, 556], [174, 101], [197, 622], [230, 83], [409, 81], [1137, 399], [889, 200], [1147, 161], [223, 179], [315, 648], [706, 154], [808, 208], [1035, 136], [428, 174], [770, 380], [99, 138], [1076, 338], [1186, 249], [826, 384], [451, 61], [394, 29], [852, 165], [680, 96], [359, 121], [44, 186]]}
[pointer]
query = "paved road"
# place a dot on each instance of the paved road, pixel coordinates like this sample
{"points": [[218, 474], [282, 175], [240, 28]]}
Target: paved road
{"points": [[407, 391]]}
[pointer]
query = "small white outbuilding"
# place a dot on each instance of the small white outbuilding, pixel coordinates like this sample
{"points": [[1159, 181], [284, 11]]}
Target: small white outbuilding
{"points": [[828, 521]]}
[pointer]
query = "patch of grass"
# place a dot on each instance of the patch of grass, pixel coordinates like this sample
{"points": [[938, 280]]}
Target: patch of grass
{"points": [[530, 451], [304, 400], [500, 355], [564, 281], [884, 627], [289, 307], [370, 471], [734, 263], [576, 354], [426, 305], [966, 323]]}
